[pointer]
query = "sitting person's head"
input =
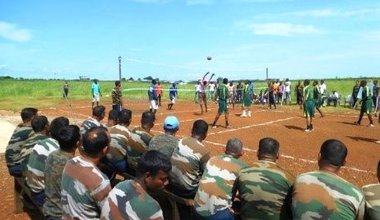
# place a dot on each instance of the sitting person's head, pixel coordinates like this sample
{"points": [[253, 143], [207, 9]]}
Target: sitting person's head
{"points": [[113, 117], [153, 170], [27, 114], [199, 130], [234, 148], [98, 112], [125, 117], [40, 124], [95, 142], [147, 120], [332, 154], [268, 149], [56, 125], [69, 138], [171, 125]]}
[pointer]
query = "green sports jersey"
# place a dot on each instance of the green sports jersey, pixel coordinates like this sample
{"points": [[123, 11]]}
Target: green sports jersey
{"points": [[222, 92], [308, 93], [324, 195], [372, 201]]}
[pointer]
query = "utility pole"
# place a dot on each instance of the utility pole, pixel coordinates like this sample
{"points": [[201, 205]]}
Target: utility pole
{"points": [[120, 68], [266, 71]]}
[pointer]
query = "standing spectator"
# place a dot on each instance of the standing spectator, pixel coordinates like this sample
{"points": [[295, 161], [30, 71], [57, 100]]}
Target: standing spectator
{"points": [[367, 103], [22, 132], [130, 199], [69, 141], [84, 186], [265, 183], [173, 93], [323, 194], [98, 113], [299, 93], [117, 102], [152, 96], [35, 173], [272, 94], [281, 90], [309, 105], [375, 92], [276, 85], [322, 87], [372, 195], [222, 95], [231, 94], [211, 90], [65, 89], [166, 143], [354, 95], [159, 91], [239, 92], [377, 105], [214, 197], [288, 91], [95, 90], [317, 97]]}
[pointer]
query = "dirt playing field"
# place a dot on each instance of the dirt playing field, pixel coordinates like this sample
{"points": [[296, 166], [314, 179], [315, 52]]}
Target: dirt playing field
{"points": [[299, 149]]}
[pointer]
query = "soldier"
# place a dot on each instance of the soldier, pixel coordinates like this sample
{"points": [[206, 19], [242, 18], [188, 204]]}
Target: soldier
{"points": [[113, 116], [69, 140], [84, 186], [189, 160], [166, 143], [323, 194], [19, 136], [117, 102], [222, 96], [130, 200], [264, 187], [309, 105], [214, 197], [36, 165], [372, 198], [147, 123], [98, 114]]}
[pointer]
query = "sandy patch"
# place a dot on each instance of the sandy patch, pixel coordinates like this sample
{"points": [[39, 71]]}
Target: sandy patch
{"points": [[6, 130]]}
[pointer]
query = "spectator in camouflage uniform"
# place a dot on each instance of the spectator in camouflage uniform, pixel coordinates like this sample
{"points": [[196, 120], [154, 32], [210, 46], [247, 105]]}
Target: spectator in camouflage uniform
{"points": [[130, 200], [214, 197], [40, 125], [147, 123], [166, 143], [113, 116], [323, 194], [36, 165], [372, 198], [69, 140], [222, 96], [189, 160], [264, 187], [22, 132], [84, 187], [98, 113]]}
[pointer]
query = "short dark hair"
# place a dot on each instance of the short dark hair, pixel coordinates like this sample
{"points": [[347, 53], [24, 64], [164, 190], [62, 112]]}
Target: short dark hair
{"points": [[68, 136], [268, 147], [148, 117], [95, 140], [117, 82], [153, 161], [306, 82], [234, 146], [28, 113], [98, 111], [154, 82], [200, 127], [113, 115], [333, 152], [225, 81], [56, 125], [39, 123], [125, 116]]}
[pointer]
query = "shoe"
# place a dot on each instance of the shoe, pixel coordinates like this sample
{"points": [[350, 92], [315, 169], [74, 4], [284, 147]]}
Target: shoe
{"points": [[371, 125], [228, 126], [249, 114], [214, 126], [307, 130]]}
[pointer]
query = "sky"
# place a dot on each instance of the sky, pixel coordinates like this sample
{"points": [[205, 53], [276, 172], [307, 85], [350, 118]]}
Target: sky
{"points": [[171, 39]]}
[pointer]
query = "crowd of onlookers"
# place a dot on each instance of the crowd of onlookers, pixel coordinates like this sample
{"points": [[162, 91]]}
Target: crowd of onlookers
{"points": [[73, 173]]}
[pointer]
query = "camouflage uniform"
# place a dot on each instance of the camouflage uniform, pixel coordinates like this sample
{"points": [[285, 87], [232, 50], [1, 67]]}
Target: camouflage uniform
{"points": [[19, 137], [144, 135], [188, 162], [84, 189], [27, 148], [263, 188], [324, 195], [36, 165], [164, 143], [90, 123], [372, 198], [215, 187], [55, 163], [128, 200]]}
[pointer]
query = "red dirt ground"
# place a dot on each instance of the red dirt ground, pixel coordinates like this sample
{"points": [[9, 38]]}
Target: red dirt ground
{"points": [[299, 149]]}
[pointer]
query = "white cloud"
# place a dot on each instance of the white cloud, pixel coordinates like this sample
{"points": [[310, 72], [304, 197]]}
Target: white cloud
{"points": [[3, 66], [332, 13], [199, 2], [11, 32], [283, 29]]}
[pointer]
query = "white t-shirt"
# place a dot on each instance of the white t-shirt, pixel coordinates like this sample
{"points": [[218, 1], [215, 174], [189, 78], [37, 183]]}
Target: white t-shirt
{"points": [[322, 88]]}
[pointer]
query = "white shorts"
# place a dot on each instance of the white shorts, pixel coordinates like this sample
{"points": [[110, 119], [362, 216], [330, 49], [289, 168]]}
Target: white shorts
{"points": [[153, 104], [96, 98], [172, 100]]}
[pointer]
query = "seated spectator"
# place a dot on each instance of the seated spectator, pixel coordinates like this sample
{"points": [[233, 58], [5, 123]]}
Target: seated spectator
{"points": [[69, 140], [84, 187], [323, 194], [372, 197], [189, 160], [166, 143], [214, 197], [265, 187], [147, 123], [113, 116], [333, 97], [35, 173], [130, 199], [98, 113], [22, 132]]}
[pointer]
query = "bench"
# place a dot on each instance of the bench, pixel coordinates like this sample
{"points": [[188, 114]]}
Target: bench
{"points": [[24, 201]]}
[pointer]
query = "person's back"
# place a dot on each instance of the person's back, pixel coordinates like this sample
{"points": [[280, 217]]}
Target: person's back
{"points": [[323, 194], [164, 143], [372, 198]]}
